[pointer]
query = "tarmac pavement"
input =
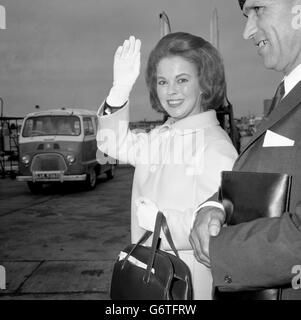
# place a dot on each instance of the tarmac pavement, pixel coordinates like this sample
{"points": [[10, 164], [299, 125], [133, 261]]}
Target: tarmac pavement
{"points": [[62, 243]]}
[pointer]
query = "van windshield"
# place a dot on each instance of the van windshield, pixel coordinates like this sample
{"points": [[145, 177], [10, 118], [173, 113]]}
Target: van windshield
{"points": [[52, 125]]}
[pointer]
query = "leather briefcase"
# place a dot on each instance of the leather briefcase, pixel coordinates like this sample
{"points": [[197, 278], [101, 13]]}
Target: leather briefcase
{"points": [[148, 273], [247, 196]]}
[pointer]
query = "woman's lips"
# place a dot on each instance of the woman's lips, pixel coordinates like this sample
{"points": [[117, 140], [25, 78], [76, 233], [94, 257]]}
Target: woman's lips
{"points": [[175, 102]]}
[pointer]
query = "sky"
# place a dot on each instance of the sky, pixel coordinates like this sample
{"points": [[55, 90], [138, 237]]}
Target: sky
{"points": [[59, 53]]}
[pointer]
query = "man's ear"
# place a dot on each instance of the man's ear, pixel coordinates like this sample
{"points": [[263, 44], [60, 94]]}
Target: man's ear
{"points": [[296, 13]]}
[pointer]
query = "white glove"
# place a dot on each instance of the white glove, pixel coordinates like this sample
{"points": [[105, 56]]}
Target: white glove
{"points": [[146, 213], [126, 71]]}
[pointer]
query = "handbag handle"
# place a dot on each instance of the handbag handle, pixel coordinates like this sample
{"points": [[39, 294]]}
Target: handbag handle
{"points": [[168, 236], [144, 237], [160, 223], [156, 236]]}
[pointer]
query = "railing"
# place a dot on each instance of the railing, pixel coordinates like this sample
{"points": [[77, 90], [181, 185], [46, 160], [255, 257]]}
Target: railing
{"points": [[9, 145]]}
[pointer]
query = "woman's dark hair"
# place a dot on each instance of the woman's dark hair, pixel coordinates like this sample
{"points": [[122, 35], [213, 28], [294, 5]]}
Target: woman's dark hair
{"points": [[202, 54]]}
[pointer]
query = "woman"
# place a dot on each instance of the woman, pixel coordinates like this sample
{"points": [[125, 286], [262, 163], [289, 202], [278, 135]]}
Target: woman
{"points": [[177, 165]]}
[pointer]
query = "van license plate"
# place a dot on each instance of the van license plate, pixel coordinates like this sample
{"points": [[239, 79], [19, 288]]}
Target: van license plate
{"points": [[47, 176]]}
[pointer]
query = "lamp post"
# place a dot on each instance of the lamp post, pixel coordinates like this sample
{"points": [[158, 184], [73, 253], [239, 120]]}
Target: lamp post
{"points": [[1, 107], [214, 30], [164, 24], [1, 132]]}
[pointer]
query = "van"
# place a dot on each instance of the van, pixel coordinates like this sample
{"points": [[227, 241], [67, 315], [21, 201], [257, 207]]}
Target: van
{"points": [[60, 145]]}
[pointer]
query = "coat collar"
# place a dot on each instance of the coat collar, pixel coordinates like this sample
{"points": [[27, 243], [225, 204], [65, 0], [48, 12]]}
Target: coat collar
{"points": [[287, 104], [292, 79], [190, 124]]}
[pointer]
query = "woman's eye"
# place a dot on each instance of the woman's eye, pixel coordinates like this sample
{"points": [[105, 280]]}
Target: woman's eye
{"points": [[182, 80], [161, 82]]}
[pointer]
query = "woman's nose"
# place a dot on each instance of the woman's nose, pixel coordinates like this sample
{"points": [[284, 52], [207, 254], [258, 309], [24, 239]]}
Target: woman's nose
{"points": [[172, 88]]}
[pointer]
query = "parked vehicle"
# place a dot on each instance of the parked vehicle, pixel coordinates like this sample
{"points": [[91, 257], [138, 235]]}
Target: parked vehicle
{"points": [[60, 145]]}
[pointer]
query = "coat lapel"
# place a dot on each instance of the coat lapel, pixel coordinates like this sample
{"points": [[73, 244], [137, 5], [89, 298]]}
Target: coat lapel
{"points": [[286, 105]]}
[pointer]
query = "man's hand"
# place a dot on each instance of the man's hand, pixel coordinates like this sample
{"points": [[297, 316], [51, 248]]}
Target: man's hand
{"points": [[126, 71], [208, 222]]}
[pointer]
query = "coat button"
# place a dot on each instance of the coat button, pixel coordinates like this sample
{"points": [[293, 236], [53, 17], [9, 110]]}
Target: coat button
{"points": [[228, 279]]}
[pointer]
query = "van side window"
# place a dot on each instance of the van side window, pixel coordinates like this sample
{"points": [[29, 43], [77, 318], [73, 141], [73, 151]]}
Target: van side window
{"points": [[88, 126], [95, 122]]}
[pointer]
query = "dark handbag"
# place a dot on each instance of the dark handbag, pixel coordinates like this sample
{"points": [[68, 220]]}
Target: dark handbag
{"points": [[247, 196], [148, 273]]}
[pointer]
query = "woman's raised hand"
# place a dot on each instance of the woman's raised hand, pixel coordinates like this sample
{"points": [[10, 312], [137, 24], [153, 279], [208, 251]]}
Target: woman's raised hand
{"points": [[126, 71], [127, 62]]}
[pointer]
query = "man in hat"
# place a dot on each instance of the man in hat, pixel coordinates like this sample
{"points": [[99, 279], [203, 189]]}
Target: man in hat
{"points": [[264, 253]]}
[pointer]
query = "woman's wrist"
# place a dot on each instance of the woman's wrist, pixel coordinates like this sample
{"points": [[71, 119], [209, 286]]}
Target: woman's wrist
{"points": [[107, 109], [118, 96]]}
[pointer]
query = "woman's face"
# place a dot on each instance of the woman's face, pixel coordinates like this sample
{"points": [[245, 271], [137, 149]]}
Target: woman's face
{"points": [[178, 87]]}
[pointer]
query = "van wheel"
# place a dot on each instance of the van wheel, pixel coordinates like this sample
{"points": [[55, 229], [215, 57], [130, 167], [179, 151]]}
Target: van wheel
{"points": [[111, 173], [90, 182], [34, 187]]}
